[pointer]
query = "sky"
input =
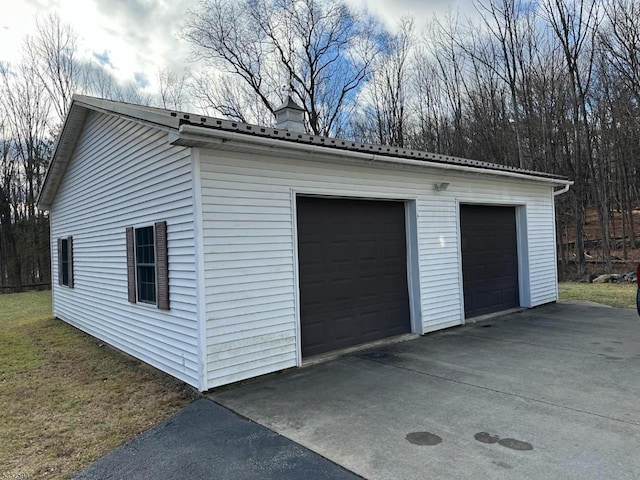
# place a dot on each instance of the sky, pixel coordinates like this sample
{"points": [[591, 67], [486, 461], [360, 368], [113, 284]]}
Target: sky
{"points": [[133, 39]]}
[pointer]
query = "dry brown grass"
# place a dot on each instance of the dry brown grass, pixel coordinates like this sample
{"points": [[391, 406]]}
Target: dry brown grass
{"points": [[66, 399]]}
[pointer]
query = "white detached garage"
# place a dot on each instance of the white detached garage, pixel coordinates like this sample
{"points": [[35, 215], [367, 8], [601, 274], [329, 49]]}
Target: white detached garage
{"points": [[219, 251]]}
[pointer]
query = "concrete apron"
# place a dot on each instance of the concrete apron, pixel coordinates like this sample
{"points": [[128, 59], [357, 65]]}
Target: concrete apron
{"points": [[325, 357], [545, 393]]}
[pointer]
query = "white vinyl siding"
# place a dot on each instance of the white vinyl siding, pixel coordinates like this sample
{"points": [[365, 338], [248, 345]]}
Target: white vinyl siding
{"points": [[125, 174], [248, 241], [542, 251]]}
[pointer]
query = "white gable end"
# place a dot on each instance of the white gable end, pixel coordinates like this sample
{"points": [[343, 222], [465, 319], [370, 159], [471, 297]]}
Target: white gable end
{"points": [[125, 174]]}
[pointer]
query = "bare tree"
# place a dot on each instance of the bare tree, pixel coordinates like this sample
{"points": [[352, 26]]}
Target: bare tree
{"points": [[621, 41], [51, 52], [95, 80], [98, 81], [26, 106], [505, 21], [172, 88], [618, 103], [450, 64], [9, 260], [130, 92], [489, 123], [322, 50], [574, 23], [34, 95], [429, 119], [384, 96], [219, 93]]}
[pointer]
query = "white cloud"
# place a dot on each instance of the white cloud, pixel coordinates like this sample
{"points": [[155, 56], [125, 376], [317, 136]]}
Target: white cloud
{"points": [[138, 35], [15, 22], [103, 58], [422, 11], [134, 38], [127, 36]]}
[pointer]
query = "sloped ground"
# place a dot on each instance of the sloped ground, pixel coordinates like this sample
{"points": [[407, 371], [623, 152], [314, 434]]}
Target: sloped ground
{"points": [[593, 247], [66, 398]]}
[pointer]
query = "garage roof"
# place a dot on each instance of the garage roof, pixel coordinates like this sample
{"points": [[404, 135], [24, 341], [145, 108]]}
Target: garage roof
{"points": [[195, 130]]}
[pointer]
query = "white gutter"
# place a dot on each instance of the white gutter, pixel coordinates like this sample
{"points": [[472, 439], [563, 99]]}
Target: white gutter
{"points": [[203, 134], [562, 190]]}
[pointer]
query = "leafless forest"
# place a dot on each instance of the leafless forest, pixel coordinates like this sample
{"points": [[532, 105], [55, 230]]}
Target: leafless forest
{"points": [[549, 85]]}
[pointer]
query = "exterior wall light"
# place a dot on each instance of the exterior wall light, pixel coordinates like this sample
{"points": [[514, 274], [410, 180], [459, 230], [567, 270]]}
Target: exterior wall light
{"points": [[440, 186]]}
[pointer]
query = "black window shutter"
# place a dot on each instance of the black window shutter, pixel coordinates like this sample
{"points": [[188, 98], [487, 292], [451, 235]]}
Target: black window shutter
{"points": [[70, 260], [162, 265], [59, 261], [131, 266]]}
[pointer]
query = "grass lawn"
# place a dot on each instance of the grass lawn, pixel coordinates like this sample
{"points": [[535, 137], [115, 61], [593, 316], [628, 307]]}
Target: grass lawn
{"points": [[621, 295], [66, 399]]}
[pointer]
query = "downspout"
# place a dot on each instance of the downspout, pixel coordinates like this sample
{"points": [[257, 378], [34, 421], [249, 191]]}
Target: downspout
{"points": [[557, 192], [562, 190]]}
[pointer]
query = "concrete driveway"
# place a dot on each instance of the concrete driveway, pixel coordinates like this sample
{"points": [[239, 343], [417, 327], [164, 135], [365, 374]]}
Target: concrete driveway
{"points": [[548, 393]]}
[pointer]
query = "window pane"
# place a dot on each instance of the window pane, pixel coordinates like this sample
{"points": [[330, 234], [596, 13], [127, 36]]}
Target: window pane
{"points": [[146, 284], [64, 264], [144, 245]]}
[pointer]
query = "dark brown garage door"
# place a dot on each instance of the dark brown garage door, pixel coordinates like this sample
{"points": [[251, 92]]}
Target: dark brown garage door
{"points": [[353, 272], [489, 259]]}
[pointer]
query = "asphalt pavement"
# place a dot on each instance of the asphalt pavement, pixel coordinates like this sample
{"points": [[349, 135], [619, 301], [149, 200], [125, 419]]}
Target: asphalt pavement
{"points": [[207, 441]]}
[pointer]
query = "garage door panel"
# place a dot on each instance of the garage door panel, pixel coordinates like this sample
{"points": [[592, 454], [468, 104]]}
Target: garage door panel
{"points": [[357, 251], [489, 259]]}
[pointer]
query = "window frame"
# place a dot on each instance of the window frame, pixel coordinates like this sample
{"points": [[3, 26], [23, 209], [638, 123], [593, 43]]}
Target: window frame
{"points": [[139, 264], [160, 264], [65, 262]]}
